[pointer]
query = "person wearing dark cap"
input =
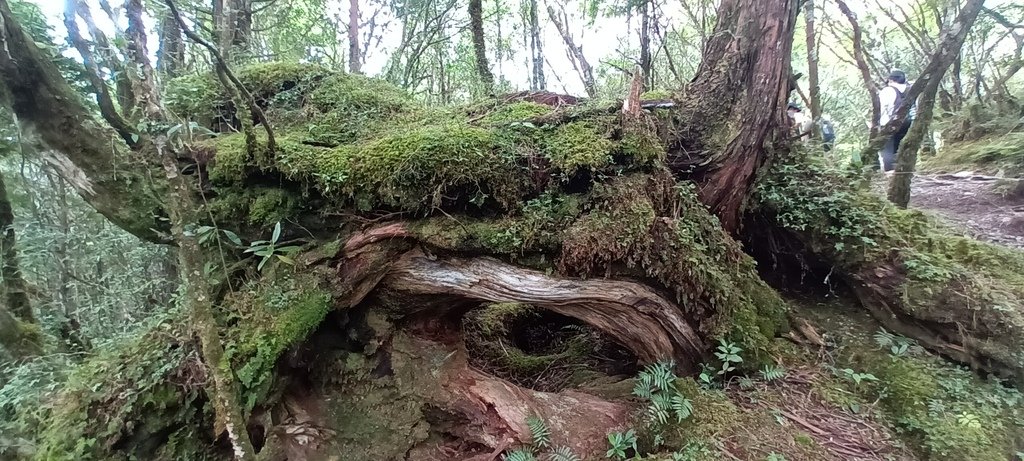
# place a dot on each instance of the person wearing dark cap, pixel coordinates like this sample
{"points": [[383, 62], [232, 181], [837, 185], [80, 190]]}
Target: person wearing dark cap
{"points": [[890, 99]]}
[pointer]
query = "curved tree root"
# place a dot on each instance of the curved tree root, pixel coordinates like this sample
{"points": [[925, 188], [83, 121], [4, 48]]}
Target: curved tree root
{"points": [[635, 315]]}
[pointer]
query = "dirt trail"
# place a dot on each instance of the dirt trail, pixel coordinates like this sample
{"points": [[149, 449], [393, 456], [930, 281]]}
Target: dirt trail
{"points": [[973, 203]]}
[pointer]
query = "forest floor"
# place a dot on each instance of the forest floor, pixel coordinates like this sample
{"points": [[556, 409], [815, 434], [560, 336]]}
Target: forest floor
{"points": [[981, 205], [815, 412]]}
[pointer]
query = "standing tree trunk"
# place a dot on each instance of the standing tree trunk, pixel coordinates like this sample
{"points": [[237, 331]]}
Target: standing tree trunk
{"points": [[15, 291], [537, 81], [355, 57], [812, 66], [476, 27], [949, 48], [735, 105], [646, 64], [170, 57], [579, 60], [19, 331]]}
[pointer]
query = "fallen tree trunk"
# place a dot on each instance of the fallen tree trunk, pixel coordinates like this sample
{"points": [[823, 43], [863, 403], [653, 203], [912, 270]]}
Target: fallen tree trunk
{"points": [[955, 295]]}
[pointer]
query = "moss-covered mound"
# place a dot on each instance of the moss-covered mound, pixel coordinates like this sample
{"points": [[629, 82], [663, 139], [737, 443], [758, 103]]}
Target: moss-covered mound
{"points": [[350, 141], [506, 177], [959, 295]]}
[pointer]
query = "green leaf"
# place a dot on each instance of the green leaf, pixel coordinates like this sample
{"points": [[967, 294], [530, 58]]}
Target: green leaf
{"points": [[233, 237], [277, 232]]}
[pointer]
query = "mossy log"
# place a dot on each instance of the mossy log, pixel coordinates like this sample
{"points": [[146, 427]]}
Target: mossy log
{"points": [[959, 297]]}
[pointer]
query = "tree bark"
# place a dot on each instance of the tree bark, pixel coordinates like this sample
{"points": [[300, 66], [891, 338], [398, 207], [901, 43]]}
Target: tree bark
{"points": [[88, 160], [636, 316], [646, 63], [865, 69], [735, 104], [949, 49], [812, 66], [579, 60], [537, 81], [355, 56], [170, 57], [476, 28], [15, 291]]}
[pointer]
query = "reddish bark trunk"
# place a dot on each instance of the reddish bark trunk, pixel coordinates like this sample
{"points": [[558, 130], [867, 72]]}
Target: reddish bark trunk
{"points": [[736, 103]]}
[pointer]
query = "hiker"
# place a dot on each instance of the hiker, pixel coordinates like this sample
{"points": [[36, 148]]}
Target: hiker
{"points": [[891, 98], [802, 125], [828, 133]]}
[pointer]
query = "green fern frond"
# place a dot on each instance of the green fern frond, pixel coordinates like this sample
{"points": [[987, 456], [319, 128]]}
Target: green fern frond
{"points": [[539, 432], [562, 454], [682, 407], [519, 455], [773, 372]]}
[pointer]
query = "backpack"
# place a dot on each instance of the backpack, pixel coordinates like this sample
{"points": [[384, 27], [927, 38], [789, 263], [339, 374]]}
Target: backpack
{"points": [[899, 103], [828, 132]]}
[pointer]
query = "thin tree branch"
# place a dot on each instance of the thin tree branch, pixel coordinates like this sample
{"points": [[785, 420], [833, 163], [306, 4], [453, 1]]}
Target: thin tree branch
{"points": [[223, 67]]}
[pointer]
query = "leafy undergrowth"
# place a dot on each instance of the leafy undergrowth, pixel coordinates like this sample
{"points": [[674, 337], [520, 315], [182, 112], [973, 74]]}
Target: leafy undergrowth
{"points": [[940, 410], [955, 282], [980, 138], [999, 154], [862, 394]]}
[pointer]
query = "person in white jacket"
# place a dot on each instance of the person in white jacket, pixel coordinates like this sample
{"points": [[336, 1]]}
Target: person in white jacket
{"points": [[890, 99], [802, 124]]}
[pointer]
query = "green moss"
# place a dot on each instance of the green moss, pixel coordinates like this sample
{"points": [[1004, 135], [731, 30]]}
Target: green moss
{"points": [[517, 112], [658, 227], [412, 169], [656, 94], [348, 107], [804, 439], [946, 278], [270, 206], [231, 159], [488, 336], [640, 141], [266, 79], [940, 410], [278, 312], [258, 206], [578, 145], [990, 153], [119, 402]]}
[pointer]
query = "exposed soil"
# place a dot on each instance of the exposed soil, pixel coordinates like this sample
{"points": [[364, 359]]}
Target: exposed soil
{"points": [[978, 204]]}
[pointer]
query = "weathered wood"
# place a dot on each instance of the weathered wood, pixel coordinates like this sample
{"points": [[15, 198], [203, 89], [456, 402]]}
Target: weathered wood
{"points": [[635, 315]]}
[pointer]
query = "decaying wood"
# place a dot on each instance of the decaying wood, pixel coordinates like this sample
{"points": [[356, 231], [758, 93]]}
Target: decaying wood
{"points": [[981, 342], [635, 315]]}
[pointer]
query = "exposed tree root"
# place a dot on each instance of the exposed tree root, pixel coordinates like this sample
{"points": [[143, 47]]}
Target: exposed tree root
{"points": [[636, 316]]}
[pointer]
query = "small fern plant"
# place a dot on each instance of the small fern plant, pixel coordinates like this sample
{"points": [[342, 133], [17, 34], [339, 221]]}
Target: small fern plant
{"points": [[657, 385], [772, 372], [540, 434], [562, 454], [521, 454], [540, 441]]}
